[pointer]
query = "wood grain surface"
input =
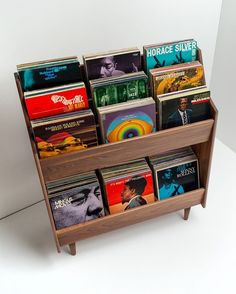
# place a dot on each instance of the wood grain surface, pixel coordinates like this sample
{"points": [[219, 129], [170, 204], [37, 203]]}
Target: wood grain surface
{"points": [[135, 215]]}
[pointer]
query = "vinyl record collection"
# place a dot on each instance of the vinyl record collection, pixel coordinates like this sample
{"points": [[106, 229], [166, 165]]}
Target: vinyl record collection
{"points": [[111, 98]]}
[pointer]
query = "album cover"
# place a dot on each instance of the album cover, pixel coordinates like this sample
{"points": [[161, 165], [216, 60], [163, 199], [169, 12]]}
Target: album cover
{"points": [[135, 120], [113, 65], [77, 205], [56, 100], [184, 109], [49, 73], [129, 192], [120, 91], [177, 77], [178, 179], [166, 54], [65, 134]]}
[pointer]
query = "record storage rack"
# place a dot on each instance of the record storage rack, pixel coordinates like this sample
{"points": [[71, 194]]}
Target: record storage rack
{"points": [[199, 135]]}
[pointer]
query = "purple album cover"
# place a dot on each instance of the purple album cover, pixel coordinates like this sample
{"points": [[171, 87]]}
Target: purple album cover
{"points": [[128, 123], [113, 65]]}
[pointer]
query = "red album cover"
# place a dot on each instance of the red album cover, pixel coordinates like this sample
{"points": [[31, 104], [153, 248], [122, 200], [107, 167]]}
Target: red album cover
{"points": [[56, 101], [129, 192]]}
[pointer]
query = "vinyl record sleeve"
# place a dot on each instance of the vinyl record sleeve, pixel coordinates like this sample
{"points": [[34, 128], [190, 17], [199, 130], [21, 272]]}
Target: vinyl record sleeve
{"points": [[116, 187], [177, 179], [77, 205]]}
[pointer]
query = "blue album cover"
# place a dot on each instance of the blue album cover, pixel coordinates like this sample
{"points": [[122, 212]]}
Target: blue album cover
{"points": [[49, 75], [176, 180], [170, 54]]}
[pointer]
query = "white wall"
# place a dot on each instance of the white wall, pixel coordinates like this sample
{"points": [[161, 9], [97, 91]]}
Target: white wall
{"points": [[223, 80], [37, 30]]}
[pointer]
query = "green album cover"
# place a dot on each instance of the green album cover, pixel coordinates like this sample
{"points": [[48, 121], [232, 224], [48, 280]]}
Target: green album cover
{"points": [[120, 92]]}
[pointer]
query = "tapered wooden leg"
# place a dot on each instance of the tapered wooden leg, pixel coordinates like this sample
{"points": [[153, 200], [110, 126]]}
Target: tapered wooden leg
{"points": [[72, 248], [186, 213]]}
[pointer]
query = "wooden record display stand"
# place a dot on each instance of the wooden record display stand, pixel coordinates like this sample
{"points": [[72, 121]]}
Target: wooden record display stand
{"points": [[200, 136]]}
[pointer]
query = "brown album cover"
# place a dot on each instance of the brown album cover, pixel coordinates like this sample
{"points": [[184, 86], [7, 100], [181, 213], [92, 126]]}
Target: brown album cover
{"points": [[65, 133]]}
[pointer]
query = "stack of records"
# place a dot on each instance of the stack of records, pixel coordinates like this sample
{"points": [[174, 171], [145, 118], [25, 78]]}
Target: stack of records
{"points": [[52, 87], [75, 200], [165, 54], [64, 133], [112, 63], [183, 107], [127, 186], [56, 100], [127, 120], [175, 172], [115, 90], [176, 78], [49, 73]]}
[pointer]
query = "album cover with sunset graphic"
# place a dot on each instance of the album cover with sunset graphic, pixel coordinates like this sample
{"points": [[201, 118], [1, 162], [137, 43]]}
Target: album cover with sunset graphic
{"points": [[65, 133]]}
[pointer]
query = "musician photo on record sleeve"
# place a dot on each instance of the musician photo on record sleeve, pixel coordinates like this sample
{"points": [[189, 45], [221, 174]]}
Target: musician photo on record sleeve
{"points": [[170, 187], [182, 116], [178, 179], [111, 66], [133, 189], [77, 206]]}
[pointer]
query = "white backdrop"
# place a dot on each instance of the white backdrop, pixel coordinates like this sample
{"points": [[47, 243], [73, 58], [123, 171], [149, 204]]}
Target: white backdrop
{"points": [[37, 30], [223, 76]]}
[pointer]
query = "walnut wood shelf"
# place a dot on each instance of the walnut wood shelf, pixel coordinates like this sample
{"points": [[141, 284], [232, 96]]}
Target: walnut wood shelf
{"points": [[98, 157], [133, 216], [199, 135]]}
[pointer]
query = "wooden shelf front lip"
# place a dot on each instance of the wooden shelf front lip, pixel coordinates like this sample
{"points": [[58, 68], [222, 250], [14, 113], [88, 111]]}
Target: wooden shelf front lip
{"points": [[116, 221], [115, 153]]}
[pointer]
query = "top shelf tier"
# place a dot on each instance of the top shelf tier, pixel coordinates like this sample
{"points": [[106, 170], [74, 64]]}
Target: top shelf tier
{"points": [[106, 155]]}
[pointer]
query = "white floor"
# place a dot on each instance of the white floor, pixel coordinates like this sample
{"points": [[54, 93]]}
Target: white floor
{"points": [[163, 255]]}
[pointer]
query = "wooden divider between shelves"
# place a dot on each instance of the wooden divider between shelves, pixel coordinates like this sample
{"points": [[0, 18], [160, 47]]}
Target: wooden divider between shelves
{"points": [[115, 153]]}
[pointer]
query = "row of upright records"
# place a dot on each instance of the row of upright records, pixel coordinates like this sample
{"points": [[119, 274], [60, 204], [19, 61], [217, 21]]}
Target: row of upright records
{"points": [[115, 96]]}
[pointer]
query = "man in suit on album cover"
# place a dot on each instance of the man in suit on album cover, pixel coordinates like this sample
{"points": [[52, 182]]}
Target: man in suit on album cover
{"points": [[132, 192], [181, 116]]}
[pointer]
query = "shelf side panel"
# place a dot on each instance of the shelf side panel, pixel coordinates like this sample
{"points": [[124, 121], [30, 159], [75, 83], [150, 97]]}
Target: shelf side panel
{"points": [[37, 162], [204, 152]]}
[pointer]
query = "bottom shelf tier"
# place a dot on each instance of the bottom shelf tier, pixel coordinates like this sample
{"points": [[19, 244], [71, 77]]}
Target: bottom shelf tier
{"points": [[111, 222]]}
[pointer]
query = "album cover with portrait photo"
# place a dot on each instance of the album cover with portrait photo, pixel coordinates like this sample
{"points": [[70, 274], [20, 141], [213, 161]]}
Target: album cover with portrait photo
{"points": [[77, 205], [131, 119], [129, 191], [185, 108], [177, 179], [112, 64]]}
